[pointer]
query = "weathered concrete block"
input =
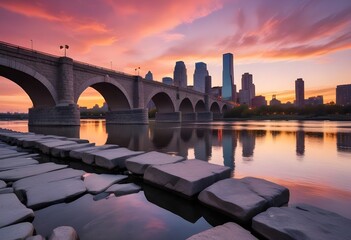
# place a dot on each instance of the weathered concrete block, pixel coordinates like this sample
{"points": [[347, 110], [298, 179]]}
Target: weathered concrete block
{"points": [[112, 158], [78, 153], [139, 163], [242, 199], [301, 221], [228, 231], [17, 231], [96, 183], [12, 210], [64, 233], [53, 192], [186, 178]]}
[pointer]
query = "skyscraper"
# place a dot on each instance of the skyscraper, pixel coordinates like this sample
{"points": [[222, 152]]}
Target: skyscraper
{"points": [[299, 92], [199, 76], [179, 75], [343, 94], [149, 76], [228, 90], [247, 92]]}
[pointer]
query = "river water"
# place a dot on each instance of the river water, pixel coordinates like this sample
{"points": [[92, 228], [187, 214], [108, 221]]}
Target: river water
{"points": [[311, 158]]}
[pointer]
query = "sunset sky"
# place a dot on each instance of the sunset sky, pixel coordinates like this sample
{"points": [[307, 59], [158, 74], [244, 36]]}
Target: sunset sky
{"points": [[277, 41]]}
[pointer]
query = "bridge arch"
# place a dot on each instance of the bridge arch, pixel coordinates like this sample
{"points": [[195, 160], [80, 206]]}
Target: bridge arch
{"points": [[186, 106], [200, 106], [114, 94], [215, 108], [162, 101], [41, 92]]}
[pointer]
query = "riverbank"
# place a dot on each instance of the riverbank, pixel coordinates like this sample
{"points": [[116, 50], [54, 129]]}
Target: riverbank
{"points": [[293, 118]]}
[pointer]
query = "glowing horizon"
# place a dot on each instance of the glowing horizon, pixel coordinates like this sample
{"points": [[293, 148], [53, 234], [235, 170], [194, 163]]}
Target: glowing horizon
{"points": [[277, 42]]}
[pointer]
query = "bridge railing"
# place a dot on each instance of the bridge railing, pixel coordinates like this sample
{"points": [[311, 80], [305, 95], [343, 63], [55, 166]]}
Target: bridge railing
{"points": [[24, 49]]}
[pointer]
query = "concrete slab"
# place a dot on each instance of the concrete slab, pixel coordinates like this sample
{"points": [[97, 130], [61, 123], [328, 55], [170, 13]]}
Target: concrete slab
{"points": [[63, 151], [186, 178], [2, 184], [123, 189], [242, 199], [30, 142], [45, 147], [27, 171], [228, 231], [17, 231], [6, 190], [12, 210], [44, 178], [16, 162], [12, 155], [139, 163], [78, 153], [97, 183], [301, 221], [113, 158], [64, 233], [54, 192]]}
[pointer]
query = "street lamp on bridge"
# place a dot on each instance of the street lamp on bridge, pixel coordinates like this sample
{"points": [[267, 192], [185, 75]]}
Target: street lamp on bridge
{"points": [[137, 69], [65, 47]]}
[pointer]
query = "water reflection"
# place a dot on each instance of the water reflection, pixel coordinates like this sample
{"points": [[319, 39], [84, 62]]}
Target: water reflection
{"points": [[300, 143], [343, 142]]}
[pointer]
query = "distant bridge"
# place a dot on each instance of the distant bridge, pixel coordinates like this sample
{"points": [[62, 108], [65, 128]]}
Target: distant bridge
{"points": [[54, 85]]}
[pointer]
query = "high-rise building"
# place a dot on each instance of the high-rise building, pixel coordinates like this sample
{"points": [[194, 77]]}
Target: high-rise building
{"points": [[343, 94], [179, 75], [229, 89], [149, 76], [200, 75], [167, 80], [299, 92], [247, 92]]}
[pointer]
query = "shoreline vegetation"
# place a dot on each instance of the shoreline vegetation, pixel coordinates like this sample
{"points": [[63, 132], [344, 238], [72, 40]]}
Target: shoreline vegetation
{"points": [[242, 113]]}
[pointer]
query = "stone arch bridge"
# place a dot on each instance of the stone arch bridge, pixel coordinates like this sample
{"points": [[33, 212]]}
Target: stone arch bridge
{"points": [[54, 85]]}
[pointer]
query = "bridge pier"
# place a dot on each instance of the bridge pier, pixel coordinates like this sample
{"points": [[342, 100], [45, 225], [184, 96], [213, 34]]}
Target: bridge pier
{"points": [[132, 116], [172, 117], [189, 117], [204, 116], [217, 116], [67, 115]]}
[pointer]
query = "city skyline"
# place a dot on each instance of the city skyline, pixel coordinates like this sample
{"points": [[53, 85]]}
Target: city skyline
{"points": [[272, 44]]}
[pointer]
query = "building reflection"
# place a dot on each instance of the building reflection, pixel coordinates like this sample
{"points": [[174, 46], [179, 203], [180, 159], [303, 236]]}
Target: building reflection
{"points": [[343, 142], [300, 143], [247, 139], [229, 142]]}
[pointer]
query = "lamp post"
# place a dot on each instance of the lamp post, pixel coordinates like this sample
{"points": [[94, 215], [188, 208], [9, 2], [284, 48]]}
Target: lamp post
{"points": [[65, 47], [31, 44], [137, 69]]}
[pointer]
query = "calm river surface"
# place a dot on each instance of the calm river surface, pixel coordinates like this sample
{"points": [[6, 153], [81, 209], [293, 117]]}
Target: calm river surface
{"points": [[311, 158]]}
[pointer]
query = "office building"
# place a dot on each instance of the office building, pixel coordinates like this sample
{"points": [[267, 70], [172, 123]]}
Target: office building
{"points": [[343, 94], [229, 89], [275, 101], [200, 75], [258, 101], [299, 92], [179, 75], [149, 76], [167, 80], [314, 101], [247, 92]]}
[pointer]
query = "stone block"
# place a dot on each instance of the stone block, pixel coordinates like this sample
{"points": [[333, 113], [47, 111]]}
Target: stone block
{"points": [[186, 178]]}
